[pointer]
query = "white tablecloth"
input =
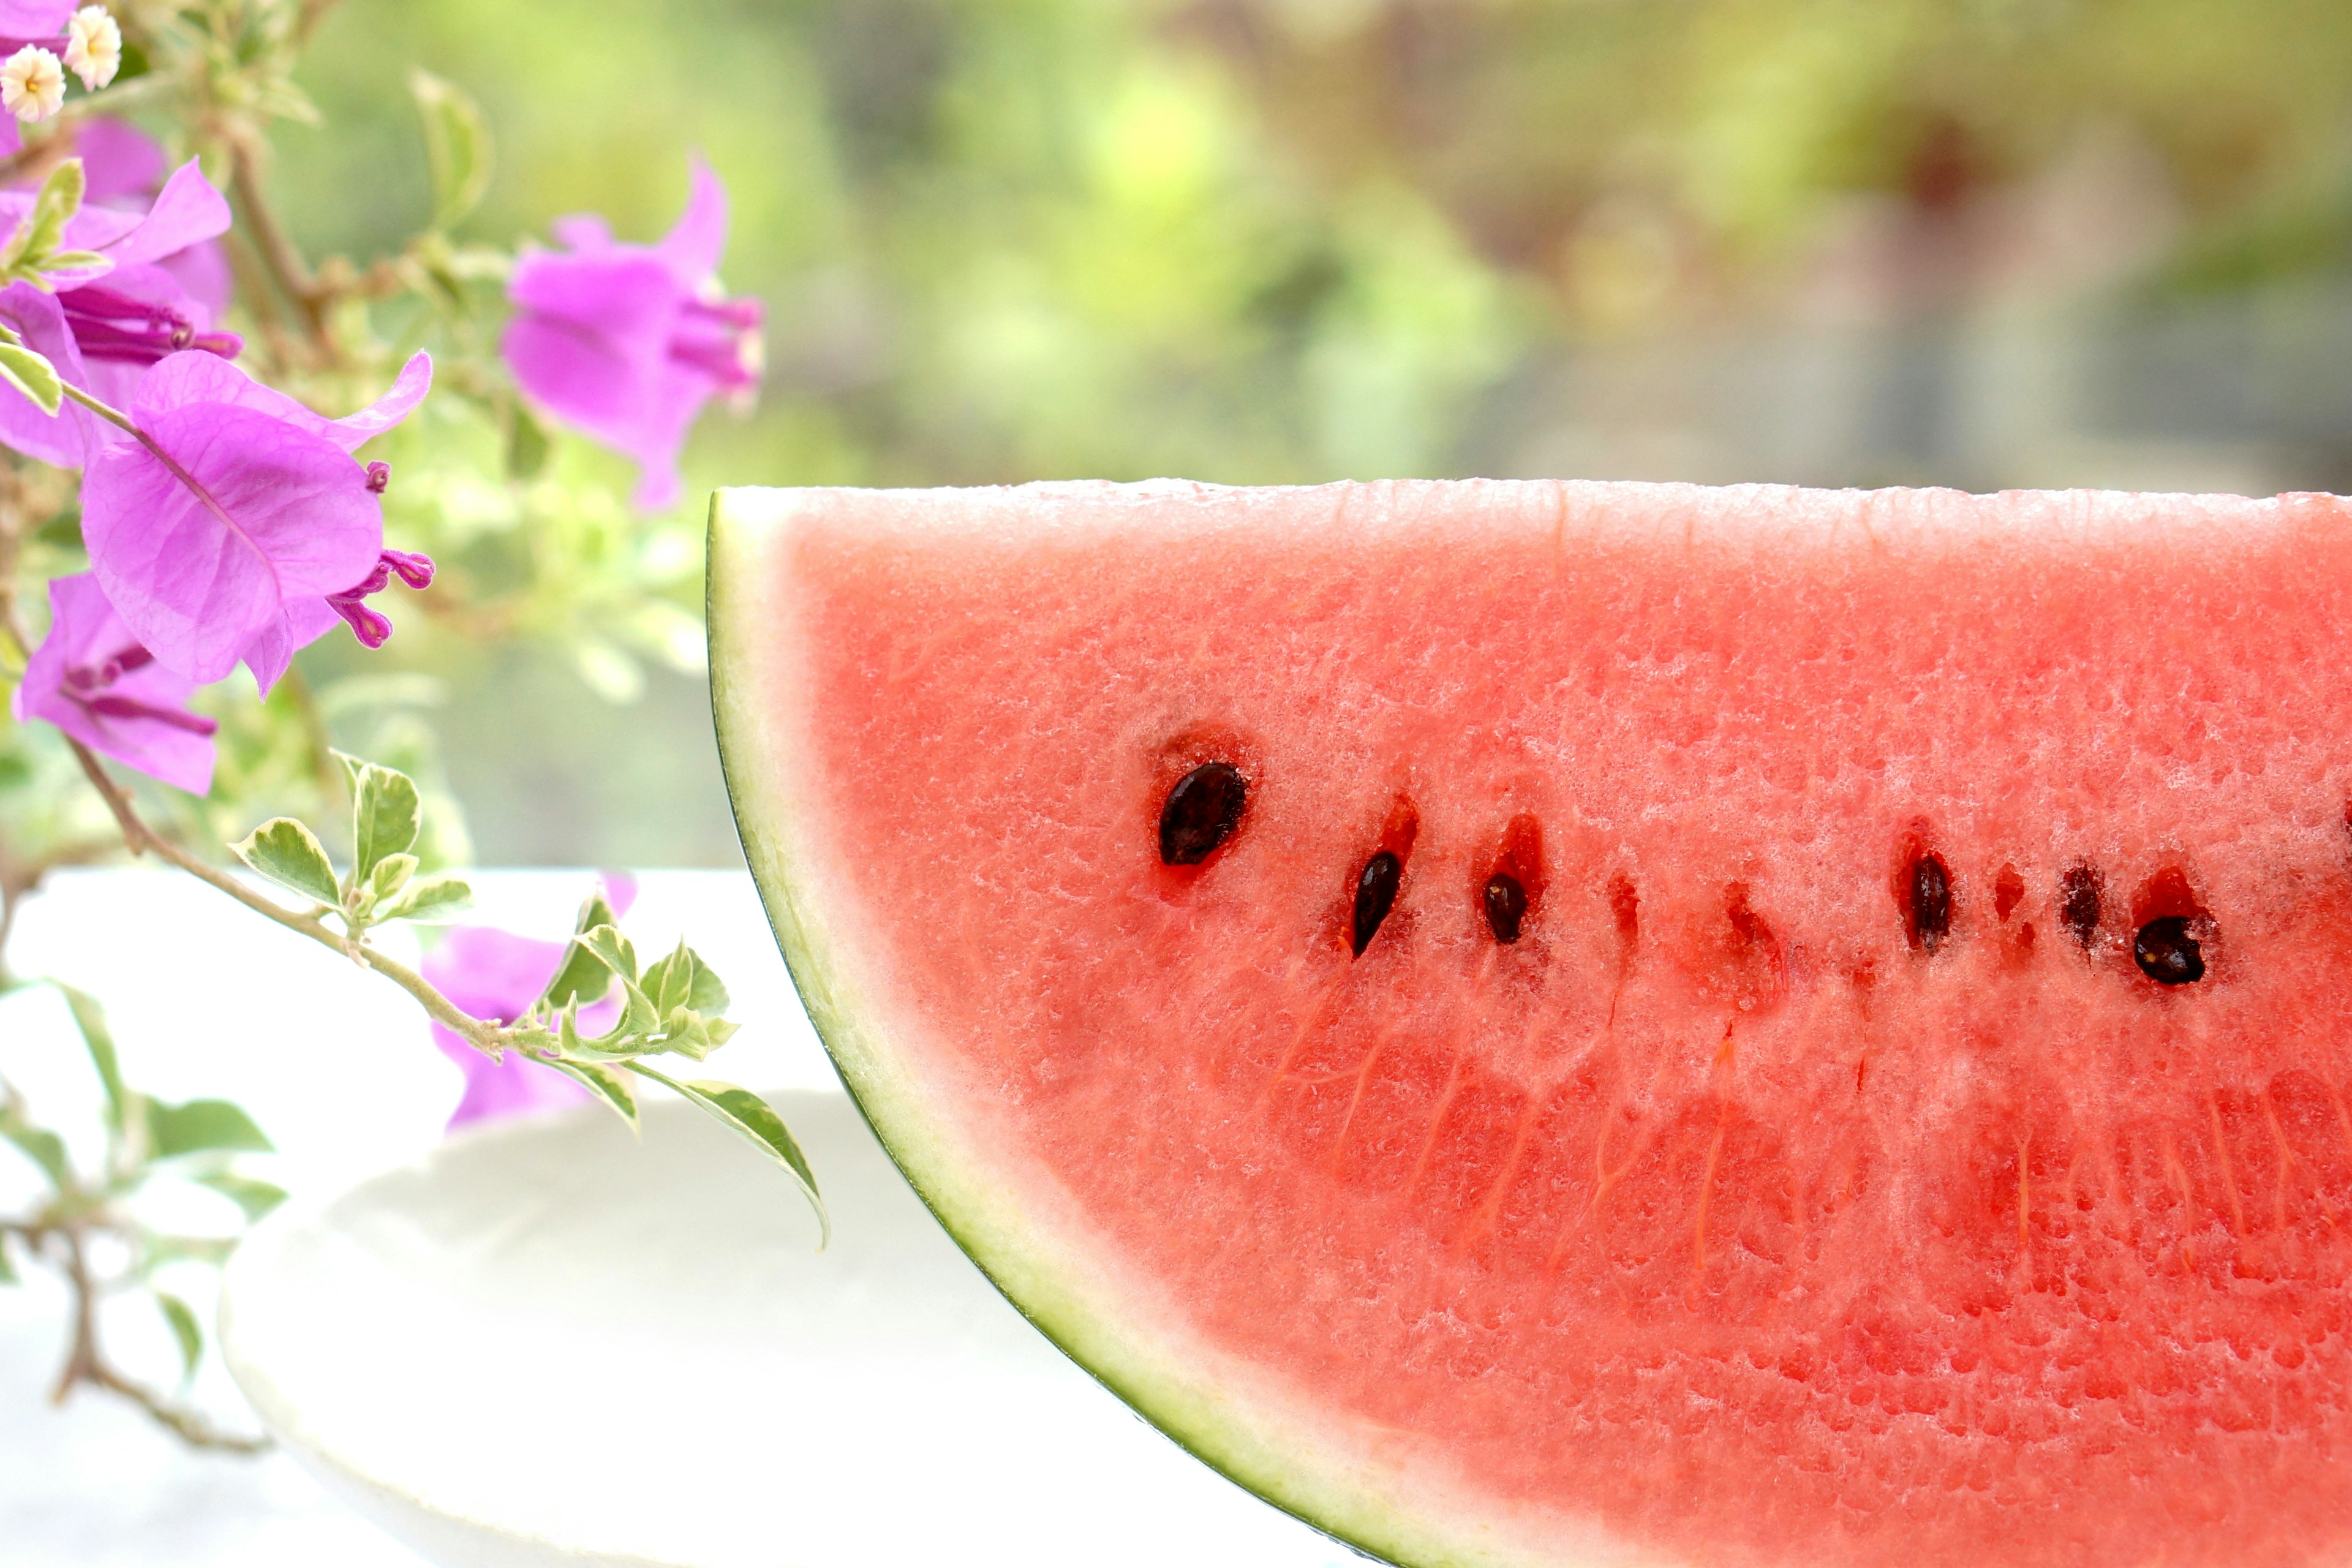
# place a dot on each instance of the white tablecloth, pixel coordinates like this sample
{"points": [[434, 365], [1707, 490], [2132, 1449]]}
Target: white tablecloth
{"points": [[207, 999]]}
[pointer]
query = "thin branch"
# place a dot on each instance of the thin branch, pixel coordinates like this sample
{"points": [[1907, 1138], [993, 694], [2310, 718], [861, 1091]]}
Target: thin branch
{"points": [[277, 249], [487, 1038], [85, 1364]]}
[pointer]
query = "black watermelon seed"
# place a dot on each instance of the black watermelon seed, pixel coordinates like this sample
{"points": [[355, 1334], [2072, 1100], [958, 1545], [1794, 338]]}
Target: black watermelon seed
{"points": [[2078, 903], [1376, 891], [1928, 911], [2167, 953], [1506, 905], [1202, 813]]}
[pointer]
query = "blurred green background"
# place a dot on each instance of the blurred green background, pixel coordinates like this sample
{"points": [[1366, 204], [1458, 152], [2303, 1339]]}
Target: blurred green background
{"points": [[1983, 243]]}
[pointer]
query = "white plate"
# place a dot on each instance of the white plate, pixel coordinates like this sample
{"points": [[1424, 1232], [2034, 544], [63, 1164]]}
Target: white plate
{"points": [[548, 1344]]}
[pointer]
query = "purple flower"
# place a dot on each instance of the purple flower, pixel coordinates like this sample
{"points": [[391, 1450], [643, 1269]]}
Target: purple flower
{"points": [[495, 974], [230, 527], [156, 297], [628, 342], [91, 679]]}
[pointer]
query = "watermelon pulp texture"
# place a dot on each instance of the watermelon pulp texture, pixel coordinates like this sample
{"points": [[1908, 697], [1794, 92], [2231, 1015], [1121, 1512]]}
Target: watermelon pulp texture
{"points": [[1821, 1176]]}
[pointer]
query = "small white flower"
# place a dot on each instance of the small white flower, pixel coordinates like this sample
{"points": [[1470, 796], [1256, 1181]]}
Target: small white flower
{"points": [[31, 84], [93, 47]]}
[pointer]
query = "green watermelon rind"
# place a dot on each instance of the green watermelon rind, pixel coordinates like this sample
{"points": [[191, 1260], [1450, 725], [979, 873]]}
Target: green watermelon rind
{"points": [[1035, 1274]]}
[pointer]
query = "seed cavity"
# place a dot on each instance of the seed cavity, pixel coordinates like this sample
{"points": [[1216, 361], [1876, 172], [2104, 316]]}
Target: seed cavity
{"points": [[1625, 903], [1515, 883], [2007, 889], [1202, 813], [2079, 892], [2167, 953], [1927, 899], [1376, 891], [1505, 902]]}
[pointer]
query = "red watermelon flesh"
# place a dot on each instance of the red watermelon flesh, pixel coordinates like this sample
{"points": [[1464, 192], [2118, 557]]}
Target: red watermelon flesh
{"points": [[1843, 1165]]}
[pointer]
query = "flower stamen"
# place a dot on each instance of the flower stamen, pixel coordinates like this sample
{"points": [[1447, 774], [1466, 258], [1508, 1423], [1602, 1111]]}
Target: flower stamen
{"points": [[112, 326], [371, 626]]}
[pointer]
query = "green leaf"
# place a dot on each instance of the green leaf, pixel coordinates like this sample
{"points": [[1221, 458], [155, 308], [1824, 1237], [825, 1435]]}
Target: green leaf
{"points": [[185, 1330], [616, 951], [390, 875], [429, 898], [7, 1270], [386, 815], [756, 1119], [32, 374], [290, 854], [90, 1019], [41, 1146], [605, 1082], [156, 1251], [683, 980], [456, 146], [33, 245], [198, 1126], [255, 1197]]}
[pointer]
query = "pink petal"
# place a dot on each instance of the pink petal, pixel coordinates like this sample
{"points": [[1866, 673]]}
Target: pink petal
{"points": [[623, 292], [620, 891], [35, 18], [623, 390], [66, 437], [271, 652], [202, 270], [200, 562], [583, 231], [181, 379], [84, 630], [118, 159], [514, 1087], [177, 381], [692, 250], [186, 210], [489, 973], [354, 430]]}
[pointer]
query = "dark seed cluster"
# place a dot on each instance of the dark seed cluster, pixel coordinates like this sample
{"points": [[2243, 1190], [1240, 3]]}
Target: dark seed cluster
{"points": [[1205, 807]]}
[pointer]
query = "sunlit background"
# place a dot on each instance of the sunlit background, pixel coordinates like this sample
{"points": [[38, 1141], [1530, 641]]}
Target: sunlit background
{"points": [[1981, 243]]}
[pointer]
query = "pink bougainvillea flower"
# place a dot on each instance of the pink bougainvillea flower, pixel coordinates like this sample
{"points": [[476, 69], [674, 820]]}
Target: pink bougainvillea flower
{"points": [[227, 528], [493, 973], [628, 342], [154, 298], [92, 679]]}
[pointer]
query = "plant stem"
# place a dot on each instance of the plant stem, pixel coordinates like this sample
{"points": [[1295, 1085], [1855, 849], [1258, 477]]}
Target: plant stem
{"points": [[85, 1364], [277, 249], [489, 1038], [105, 411]]}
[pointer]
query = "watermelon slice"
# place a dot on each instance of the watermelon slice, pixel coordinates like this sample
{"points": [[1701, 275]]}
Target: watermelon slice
{"points": [[1547, 1024]]}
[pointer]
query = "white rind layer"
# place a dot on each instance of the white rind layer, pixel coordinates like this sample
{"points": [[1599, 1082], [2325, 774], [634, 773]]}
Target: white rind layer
{"points": [[1369, 1487]]}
